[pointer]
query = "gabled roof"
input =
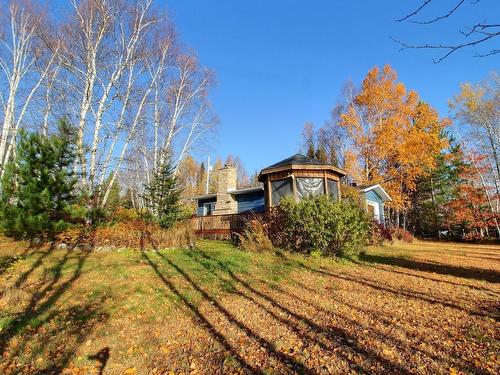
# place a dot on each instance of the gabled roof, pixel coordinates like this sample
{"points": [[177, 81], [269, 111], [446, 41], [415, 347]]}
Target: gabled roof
{"points": [[300, 161], [378, 189]]}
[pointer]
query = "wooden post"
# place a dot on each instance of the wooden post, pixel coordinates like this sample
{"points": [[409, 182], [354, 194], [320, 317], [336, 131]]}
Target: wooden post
{"points": [[325, 185], [294, 188], [268, 184]]}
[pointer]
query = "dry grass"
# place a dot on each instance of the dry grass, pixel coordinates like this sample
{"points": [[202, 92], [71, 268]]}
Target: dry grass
{"points": [[424, 307]]}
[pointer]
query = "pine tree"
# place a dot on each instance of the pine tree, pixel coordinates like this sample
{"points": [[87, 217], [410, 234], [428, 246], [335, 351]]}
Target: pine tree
{"points": [[163, 196], [434, 192], [310, 150], [320, 154], [38, 187], [202, 175]]}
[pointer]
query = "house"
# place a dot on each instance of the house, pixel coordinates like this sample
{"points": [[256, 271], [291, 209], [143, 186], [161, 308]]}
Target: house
{"points": [[297, 176], [375, 197], [228, 199]]}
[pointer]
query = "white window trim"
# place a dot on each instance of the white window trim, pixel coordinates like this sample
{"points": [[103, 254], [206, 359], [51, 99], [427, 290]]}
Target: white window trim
{"points": [[376, 209]]}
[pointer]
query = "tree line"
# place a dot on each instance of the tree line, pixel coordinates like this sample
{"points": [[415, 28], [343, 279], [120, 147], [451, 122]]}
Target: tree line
{"points": [[443, 179], [118, 72]]}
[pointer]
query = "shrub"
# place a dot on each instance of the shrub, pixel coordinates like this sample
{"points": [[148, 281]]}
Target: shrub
{"points": [[472, 237], [125, 214], [38, 188], [321, 224], [402, 235], [254, 237], [378, 233], [179, 235], [133, 234]]}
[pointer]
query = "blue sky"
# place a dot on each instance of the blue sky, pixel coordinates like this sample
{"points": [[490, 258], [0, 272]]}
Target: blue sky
{"points": [[282, 63]]}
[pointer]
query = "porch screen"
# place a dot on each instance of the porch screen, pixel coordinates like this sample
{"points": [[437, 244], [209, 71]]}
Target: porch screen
{"points": [[280, 189], [309, 186], [333, 192]]}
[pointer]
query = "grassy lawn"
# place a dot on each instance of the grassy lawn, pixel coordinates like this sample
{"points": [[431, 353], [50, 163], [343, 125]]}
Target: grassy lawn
{"points": [[425, 307]]}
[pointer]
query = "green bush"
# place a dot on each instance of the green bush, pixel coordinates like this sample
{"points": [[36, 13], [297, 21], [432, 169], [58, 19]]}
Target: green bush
{"points": [[321, 224]]}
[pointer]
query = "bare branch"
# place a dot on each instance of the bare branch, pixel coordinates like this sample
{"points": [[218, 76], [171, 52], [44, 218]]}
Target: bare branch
{"points": [[446, 15], [416, 11], [482, 30], [451, 48]]}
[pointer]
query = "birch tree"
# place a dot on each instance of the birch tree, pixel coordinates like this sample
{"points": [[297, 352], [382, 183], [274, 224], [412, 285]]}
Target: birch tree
{"points": [[23, 68], [117, 70], [477, 107], [156, 65]]}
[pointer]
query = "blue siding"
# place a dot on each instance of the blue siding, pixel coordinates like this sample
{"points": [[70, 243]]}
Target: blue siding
{"points": [[374, 197], [201, 202], [251, 202]]}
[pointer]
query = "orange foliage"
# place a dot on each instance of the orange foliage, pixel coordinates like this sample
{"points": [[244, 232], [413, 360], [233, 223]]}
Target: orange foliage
{"points": [[395, 136], [471, 209]]}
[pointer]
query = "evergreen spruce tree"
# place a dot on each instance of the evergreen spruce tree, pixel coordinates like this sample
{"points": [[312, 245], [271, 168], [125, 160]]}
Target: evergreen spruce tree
{"points": [[435, 191], [200, 183], [38, 187], [321, 154], [310, 150], [163, 196]]}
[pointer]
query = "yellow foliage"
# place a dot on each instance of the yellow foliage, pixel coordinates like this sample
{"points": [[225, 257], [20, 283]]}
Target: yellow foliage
{"points": [[395, 136]]}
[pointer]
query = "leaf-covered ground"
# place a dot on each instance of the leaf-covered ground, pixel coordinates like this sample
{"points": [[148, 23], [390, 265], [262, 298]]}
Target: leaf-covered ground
{"points": [[425, 307]]}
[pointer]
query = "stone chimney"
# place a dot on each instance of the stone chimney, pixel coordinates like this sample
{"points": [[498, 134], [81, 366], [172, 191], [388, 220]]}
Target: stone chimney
{"points": [[227, 182]]}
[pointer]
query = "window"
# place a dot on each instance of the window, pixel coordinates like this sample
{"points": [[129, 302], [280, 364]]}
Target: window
{"points": [[333, 191], [280, 189], [309, 186], [208, 208]]}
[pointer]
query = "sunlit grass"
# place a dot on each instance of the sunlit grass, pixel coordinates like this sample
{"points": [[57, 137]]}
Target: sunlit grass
{"points": [[59, 306]]}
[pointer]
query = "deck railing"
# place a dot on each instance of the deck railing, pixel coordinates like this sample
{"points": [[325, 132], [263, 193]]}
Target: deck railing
{"points": [[221, 225]]}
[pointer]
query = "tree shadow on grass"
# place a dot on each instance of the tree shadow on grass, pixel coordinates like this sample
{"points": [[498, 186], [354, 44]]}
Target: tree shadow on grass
{"points": [[40, 327], [413, 294], [217, 335], [6, 262], [285, 359], [36, 264], [373, 332], [56, 340], [313, 331], [439, 268], [421, 276], [102, 357]]}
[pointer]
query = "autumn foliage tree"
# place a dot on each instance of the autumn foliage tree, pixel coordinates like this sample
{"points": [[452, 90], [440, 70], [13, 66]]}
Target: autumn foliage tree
{"points": [[471, 211], [394, 136], [477, 107]]}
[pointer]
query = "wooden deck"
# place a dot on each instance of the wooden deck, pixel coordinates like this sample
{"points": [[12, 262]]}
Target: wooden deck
{"points": [[221, 226]]}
